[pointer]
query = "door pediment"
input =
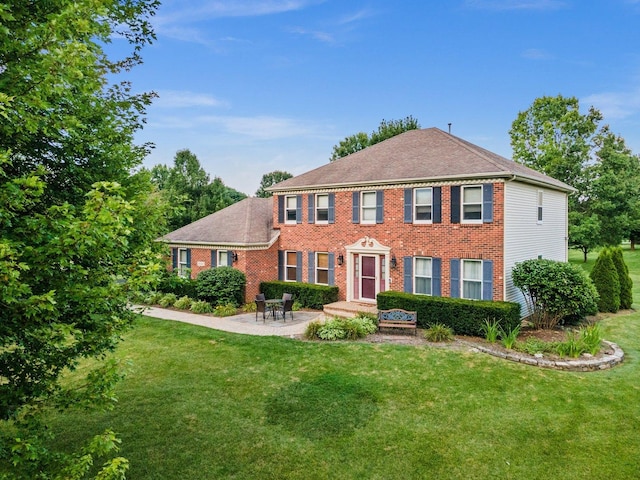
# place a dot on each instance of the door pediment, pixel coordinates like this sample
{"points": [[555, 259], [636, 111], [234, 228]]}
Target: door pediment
{"points": [[367, 245]]}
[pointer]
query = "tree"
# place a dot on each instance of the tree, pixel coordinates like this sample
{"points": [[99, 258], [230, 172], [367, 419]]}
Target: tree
{"points": [[75, 225], [270, 179], [626, 283], [605, 277], [361, 140]]}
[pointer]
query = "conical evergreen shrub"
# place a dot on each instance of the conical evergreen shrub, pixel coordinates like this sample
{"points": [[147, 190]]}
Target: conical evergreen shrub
{"points": [[605, 278], [626, 284]]}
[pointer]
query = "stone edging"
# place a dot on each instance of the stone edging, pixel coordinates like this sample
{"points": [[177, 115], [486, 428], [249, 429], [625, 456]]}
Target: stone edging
{"points": [[573, 365]]}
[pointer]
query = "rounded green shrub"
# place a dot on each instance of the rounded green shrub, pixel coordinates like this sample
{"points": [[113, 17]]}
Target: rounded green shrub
{"points": [[183, 303], [225, 310], [605, 278], [438, 333], [167, 300], [626, 284], [201, 306], [221, 286]]}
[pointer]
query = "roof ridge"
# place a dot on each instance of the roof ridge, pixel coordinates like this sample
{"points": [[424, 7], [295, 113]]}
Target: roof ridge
{"points": [[474, 149]]}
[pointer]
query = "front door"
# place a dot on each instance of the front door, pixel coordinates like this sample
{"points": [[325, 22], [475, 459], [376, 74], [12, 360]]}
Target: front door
{"points": [[368, 277]]}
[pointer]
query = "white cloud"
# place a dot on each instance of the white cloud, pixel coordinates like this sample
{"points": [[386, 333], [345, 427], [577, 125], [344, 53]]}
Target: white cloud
{"points": [[260, 127], [185, 99], [515, 4], [315, 34], [615, 105], [536, 54]]}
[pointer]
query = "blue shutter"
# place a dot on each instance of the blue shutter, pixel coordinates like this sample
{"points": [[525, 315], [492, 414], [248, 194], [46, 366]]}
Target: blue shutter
{"points": [[487, 280], [380, 206], [298, 208], [188, 258], [281, 265], [174, 253], [310, 208], [298, 266], [454, 275], [311, 270], [355, 217], [407, 263], [332, 208], [214, 258], [436, 277], [408, 205], [487, 202], [280, 208], [437, 205], [332, 261], [455, 204]]}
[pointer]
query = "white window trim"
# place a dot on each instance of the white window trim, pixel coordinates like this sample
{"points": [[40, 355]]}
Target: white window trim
{"points": [[539, 207], [317, 208], [462, 204], [287, 209], [463, 280], [287, 265], [415, 206], [415, 259], [182, 266], [317, 269], [219, 263], [374, 208]]}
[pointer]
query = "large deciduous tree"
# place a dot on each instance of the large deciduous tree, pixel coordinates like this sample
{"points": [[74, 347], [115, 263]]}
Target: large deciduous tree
{"points": [[75, 224], [270, 179], [361, 140]]}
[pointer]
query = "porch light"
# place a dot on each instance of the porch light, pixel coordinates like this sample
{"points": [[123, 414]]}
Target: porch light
{"points": [[394, 262], [340, 259], [234, 257]]}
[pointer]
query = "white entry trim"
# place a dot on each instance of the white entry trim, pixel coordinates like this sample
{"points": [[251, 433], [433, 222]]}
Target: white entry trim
{"points": [[365, 246]]}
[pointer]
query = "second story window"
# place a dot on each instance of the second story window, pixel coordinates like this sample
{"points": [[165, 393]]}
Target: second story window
{"points": [[423, 202], [539, 206], [368, 214], [322, 208], [472, 204], [291, 205]]}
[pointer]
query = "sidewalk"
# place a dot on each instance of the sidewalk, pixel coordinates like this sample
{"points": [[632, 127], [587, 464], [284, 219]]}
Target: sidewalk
{"points": [[244, 323]]}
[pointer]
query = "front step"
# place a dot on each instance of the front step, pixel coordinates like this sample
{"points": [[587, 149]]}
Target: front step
{"points": [[348, 309]]}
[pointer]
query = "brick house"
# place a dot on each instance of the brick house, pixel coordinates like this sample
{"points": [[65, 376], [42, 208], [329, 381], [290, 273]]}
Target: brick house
{"points": [[423, 212]]}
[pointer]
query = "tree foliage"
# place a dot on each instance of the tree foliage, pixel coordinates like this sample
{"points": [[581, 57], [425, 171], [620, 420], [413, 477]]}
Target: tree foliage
{"points": [[626, 283], [221, 286], [361, 140], [75, 224], [554, 290], [270, 179], [605, 277]]}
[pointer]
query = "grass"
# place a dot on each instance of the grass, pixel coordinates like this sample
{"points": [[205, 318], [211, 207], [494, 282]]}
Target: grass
{"points": [[204, 404]]}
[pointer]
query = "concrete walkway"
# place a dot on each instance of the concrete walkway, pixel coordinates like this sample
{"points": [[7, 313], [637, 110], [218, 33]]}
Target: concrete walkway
{"points": [[244, 323]]}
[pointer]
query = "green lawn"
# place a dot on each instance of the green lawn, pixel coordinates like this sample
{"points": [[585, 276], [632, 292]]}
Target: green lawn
{"points": [[203, 404]]}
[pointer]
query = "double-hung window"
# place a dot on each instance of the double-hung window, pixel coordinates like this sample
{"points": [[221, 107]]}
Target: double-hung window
{"points": [[472, 279], [472, 204], [223, 258], [539, 206], [291, 205], [322, 268], [368, 207], [423, 203], [422, 276], [291, 266], [322, 208], [183, 262]]}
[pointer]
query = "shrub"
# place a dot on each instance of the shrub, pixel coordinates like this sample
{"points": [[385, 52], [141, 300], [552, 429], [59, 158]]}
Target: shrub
{"points": [[201, 306], [221, 286], [626, 284], [307, 294], [171, 282], [183, 303], [311, 332], [332, 330], [554, 290], [153, 298], [225, 310], [605, 278], [438, 333], [250, 307], [464, 317], [167, 300]]}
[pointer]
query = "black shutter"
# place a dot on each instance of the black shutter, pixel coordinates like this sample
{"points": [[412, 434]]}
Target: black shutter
{"points": [[437, 205], [188, 258], [310, 208], [214, 258], [408, 205], [311, 273], [487, 280], [487, 203], [332, 261], [454, 276], [174, 253], [436, 277], [281, 265], [298, 208], [380, 206], [355, 217], [455, 204], [298, 266], [407, 263], [280, 208], [332, 208]]}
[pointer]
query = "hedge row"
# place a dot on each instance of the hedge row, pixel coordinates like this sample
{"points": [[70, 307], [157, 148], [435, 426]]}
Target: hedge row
{"points": [[465, 317], [307, 294]]}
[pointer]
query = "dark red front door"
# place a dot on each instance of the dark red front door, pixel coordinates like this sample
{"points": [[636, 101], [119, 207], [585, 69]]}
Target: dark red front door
{"points": [[368, 277]]}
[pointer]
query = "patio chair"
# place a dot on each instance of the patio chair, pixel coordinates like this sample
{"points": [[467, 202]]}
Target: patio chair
{"points": [[287, 306], [261, 307], [286, 296]]}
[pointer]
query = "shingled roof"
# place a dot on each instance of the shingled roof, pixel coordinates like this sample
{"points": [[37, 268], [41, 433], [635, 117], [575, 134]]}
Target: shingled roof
{"points": [[245, 223], [416, 156]]}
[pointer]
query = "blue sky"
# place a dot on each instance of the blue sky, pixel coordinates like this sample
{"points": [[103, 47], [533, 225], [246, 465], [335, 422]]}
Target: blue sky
{"points": [[253, 86]]}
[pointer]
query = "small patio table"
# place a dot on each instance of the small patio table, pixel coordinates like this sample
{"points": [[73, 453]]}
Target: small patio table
{"points": [[273, 305]]}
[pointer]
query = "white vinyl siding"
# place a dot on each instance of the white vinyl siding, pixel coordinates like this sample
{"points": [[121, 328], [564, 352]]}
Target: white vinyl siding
{"points": [[526, 238]]}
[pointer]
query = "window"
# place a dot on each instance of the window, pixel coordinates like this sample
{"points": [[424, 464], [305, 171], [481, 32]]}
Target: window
{"points": [[423, 200], [472, 204], [368, 214], [322, 268], [422, 276], [183, 262], [223, 258], [539, 206], [322, 208], [472, 279], [291, 205], [291, 266]]}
